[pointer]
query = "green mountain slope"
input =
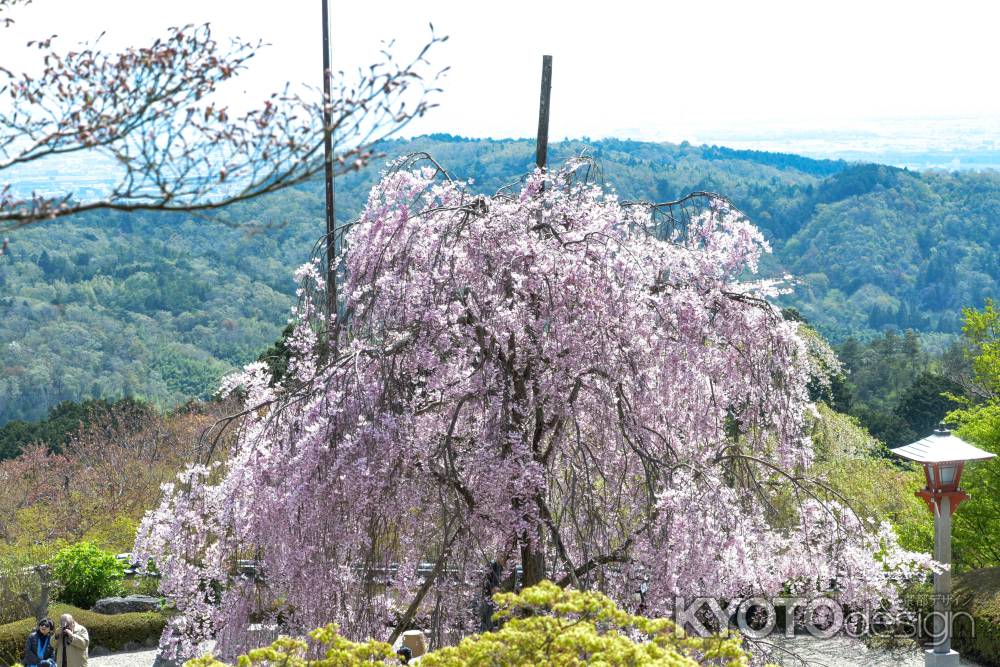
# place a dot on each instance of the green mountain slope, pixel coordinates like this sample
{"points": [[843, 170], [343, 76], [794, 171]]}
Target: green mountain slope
{"points": [[159, 306], [899, 249]]}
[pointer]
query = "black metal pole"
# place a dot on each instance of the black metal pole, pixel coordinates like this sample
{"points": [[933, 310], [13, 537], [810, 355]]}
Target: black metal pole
{"points": [[331, 223], [542, 145]]}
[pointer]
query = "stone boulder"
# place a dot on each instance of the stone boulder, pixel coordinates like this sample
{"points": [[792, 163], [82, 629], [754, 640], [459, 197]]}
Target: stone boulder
{"points": [[126, 605]]}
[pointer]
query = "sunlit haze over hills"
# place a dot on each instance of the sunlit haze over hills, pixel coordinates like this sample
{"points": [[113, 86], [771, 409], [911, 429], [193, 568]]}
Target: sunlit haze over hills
{"points": [[897, 82]]}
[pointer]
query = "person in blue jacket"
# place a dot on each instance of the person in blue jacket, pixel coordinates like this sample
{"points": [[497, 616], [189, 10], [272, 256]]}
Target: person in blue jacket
{"points": [[38, 650]]}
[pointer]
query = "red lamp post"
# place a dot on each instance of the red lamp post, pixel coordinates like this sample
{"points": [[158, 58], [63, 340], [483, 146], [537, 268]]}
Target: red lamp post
{"points": [[943, 456]]}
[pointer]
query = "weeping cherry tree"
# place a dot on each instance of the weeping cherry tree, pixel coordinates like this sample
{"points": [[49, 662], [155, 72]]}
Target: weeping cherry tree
{"points": [[589, 390]]}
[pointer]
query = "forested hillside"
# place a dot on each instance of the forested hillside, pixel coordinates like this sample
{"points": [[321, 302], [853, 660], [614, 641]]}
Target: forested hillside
{"points": [[159, 306]]}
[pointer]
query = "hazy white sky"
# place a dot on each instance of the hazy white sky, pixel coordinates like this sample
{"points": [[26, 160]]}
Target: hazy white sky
{"points": [[655, 70]]}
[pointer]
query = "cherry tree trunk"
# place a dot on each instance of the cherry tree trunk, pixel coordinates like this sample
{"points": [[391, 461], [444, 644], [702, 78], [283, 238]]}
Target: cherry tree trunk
{"points": [[533, 562]]}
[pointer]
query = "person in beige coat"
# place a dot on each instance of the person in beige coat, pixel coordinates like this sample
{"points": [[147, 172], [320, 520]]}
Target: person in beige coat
{"points": [[72, 642]]}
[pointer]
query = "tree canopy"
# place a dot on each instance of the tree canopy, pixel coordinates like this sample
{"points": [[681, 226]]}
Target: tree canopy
{"points": [[977, 526]]}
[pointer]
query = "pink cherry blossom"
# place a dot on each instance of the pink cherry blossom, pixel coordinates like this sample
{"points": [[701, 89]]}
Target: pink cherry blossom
{"points": [[538, 379]]}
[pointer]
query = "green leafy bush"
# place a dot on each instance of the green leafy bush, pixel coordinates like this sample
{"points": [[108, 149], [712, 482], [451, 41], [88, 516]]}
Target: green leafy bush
{"points": [[542, 625], [546, 624], [112, 632], [86, 573]]}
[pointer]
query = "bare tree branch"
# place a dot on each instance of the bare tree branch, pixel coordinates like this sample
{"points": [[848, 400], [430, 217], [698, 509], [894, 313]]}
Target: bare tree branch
{"points": [[153, 115]]}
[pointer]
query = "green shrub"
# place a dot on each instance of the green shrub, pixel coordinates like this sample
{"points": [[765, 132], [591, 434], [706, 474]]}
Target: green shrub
{"points": [[981, 642], [111, 632], [15, 580], [543, 625], [87, 574], [140, 585], [546, 624], [977, 593]]}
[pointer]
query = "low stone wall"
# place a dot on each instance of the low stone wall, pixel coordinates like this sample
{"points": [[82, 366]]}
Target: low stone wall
{"points": [[126, 605]]}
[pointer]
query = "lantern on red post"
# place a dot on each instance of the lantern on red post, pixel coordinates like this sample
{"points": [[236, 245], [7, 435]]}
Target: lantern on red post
{"points": [[943, 456]]}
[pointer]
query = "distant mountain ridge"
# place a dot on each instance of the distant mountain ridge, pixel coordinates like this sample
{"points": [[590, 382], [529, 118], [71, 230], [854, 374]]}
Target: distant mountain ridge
{"points": [[159, 306]]}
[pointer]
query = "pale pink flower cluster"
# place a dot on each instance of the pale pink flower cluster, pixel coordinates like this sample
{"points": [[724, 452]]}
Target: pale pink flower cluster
{"points": [[522, 377]]}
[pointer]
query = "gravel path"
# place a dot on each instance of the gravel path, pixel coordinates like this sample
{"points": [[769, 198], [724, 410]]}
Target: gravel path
{"points": [[133, 659], [845, 652]]}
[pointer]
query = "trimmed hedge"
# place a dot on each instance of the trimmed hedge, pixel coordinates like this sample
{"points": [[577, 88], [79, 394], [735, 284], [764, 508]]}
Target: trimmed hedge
{"points": [[978, 594], [111, 632]]}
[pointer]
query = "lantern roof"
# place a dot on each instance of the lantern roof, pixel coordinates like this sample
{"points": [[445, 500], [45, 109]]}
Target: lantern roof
{"points": [[941, 447]]}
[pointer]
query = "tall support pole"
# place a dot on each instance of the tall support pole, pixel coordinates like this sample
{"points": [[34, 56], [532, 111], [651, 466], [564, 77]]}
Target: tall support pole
{"points": [[331, 223], [542, 145], [942, 655], [533, 569]]}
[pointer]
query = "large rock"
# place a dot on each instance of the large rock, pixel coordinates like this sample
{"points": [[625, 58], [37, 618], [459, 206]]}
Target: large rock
{"points": [[126, 605]]}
